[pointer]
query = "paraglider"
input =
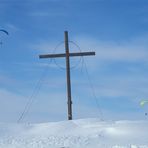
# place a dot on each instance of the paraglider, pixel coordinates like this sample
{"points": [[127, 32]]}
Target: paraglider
{"points": [[143, 103], [6, 32]]}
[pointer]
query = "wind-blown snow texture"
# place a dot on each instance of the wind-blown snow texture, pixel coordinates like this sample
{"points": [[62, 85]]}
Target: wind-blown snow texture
{"points": [[83, 133]]}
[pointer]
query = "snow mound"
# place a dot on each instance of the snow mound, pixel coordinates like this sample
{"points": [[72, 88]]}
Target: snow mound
{"points": [[83, 133]]}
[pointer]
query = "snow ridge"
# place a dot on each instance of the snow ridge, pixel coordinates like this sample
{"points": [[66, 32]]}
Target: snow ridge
{"points": [[83, 133]]}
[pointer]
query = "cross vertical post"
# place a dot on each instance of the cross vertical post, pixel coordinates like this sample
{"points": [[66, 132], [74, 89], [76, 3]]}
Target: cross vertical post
{"points": [[69, 101]]}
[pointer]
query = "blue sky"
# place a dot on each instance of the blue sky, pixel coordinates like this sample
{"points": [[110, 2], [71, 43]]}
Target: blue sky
{"points": [[117, 30]]}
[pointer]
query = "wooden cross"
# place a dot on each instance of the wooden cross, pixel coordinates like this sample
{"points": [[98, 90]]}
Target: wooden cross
{"points": [[67, 55]]}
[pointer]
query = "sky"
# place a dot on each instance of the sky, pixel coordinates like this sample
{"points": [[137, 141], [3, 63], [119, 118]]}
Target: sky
{"points": [[107, 86]]}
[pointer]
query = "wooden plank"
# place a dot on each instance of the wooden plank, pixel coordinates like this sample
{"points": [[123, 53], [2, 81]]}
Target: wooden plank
{"points": [[64, 55]]}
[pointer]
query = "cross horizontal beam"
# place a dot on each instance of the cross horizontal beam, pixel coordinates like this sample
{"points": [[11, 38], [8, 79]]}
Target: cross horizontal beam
{"points": [[64, 55]]}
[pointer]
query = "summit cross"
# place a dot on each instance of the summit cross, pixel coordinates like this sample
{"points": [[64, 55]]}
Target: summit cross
{"points": [[67, 55]]}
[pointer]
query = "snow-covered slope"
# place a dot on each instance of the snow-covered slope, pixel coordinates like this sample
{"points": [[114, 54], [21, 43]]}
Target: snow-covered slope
{"points": [[83, 133]]}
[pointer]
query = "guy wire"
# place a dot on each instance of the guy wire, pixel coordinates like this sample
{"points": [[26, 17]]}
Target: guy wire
{"points": [[33, 95], [93, 91]]}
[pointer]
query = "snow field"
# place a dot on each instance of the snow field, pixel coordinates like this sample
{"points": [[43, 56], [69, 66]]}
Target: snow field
{"points": [[83, 133]]}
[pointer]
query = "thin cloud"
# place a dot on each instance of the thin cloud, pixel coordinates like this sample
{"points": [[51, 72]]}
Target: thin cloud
{"points": [[12, 105], [12, 27], [47, 14], [133, 50]]}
